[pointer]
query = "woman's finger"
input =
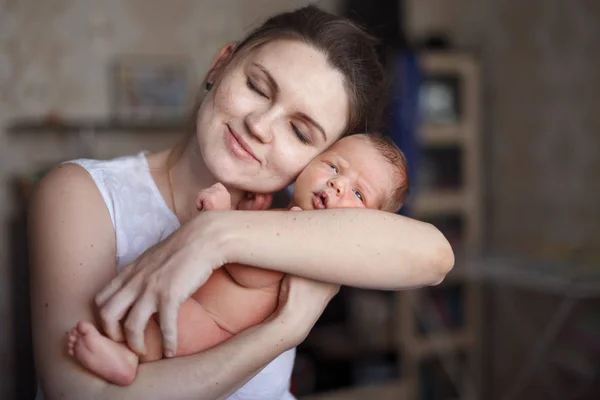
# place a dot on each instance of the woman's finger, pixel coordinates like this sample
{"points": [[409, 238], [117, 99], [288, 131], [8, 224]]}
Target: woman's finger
{"points": [[109, 290], [115, 309], [168, 325], [137, 320]]}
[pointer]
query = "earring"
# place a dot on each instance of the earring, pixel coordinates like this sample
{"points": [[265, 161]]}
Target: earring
{"points": [[209, 86]]}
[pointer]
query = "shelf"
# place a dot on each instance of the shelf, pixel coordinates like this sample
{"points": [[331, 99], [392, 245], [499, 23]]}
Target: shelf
{"points": [[437, 343], [441, 135], [439, 202], [437, 327], [40, 125]]}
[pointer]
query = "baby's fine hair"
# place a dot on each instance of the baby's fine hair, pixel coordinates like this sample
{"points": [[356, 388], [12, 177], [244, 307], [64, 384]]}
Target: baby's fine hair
{"points": [[396, 158]]}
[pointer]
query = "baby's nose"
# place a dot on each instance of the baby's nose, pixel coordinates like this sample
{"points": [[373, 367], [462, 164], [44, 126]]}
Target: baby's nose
{"points": [[339, 185]]}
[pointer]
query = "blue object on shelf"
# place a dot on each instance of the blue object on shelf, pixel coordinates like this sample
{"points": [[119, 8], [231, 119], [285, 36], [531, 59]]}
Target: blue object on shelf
{"points": [[404, 114]]}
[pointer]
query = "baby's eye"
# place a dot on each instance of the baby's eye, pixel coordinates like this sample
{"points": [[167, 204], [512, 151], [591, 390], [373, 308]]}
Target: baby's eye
{"points": [[359, 195], [334, 168]]}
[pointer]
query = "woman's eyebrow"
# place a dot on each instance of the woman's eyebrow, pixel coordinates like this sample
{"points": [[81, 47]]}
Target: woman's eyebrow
{"points": [[275, 87], [313, 122], [270, 78]]}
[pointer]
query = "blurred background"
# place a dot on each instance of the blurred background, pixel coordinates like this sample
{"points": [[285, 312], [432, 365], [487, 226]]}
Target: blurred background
{"points": [[493, 103]]}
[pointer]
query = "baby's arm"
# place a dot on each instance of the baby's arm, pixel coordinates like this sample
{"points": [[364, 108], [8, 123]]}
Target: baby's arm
{"points": [[217, 197]]}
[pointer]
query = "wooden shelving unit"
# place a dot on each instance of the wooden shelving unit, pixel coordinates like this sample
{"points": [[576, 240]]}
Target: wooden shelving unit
{"points": [[409, 325], [426, 334]]}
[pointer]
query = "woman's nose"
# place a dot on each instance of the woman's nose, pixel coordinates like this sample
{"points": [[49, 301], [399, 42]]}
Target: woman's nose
{"points": [[260, 125]]}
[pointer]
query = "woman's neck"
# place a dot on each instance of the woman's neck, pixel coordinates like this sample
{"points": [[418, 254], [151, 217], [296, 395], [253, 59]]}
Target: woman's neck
{"points": [[180, 174]]}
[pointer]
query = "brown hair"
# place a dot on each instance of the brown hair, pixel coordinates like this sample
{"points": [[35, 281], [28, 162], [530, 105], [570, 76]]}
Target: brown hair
{"points": [[348, 49], [393, 155]]}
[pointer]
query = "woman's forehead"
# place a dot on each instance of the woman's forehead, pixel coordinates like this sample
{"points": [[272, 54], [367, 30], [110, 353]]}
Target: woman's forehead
{"points": [[306, 82]]}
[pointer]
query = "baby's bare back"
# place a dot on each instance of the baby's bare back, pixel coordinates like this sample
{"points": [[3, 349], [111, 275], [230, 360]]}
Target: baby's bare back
{"points": [[239, 296], [234, 298]]}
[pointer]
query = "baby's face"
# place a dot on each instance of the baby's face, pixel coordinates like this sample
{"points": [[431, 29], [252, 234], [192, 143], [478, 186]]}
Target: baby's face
{"points": [[351, 174]]}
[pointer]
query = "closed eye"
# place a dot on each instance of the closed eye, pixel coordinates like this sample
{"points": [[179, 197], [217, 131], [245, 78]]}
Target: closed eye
{"points": [[302, 137], [252, 86]]}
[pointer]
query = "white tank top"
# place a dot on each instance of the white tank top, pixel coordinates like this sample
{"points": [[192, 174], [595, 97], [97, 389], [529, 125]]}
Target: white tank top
{"points": [[141, 218]]}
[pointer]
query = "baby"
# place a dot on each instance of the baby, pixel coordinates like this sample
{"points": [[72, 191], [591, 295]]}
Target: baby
{"points": [[359, 171]]}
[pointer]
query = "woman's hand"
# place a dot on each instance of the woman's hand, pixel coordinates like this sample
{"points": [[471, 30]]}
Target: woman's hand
{"points": [[301, 303], [159, 280]]}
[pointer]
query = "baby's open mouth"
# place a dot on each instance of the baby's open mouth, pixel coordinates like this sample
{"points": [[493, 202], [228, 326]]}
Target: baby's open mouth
{"points": [[320, 200]]}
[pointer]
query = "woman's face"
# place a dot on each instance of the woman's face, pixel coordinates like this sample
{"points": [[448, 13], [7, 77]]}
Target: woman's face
{"points": [[270, 113]]}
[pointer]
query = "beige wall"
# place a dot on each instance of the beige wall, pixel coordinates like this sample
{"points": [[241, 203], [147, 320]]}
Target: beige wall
{"points": [[54, 56]]}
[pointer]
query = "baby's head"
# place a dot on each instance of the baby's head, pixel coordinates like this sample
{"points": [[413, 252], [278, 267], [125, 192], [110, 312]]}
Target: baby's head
{"points": [[359, 171]]}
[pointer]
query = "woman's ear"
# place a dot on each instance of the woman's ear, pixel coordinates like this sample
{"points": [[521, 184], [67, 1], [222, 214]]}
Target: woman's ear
{"points": [[220, 61]]}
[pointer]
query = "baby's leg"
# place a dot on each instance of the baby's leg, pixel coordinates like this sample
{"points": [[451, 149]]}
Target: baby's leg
{"points": [[116, 363], [110, 360], [197, 329]]}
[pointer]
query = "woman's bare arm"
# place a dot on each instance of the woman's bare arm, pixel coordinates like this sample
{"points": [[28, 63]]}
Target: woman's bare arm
{"points": [[73, 257], [357, 247]]}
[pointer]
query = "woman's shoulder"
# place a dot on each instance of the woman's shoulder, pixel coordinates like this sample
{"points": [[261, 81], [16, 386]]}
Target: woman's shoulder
{"points": [[116, 165], [83, 181], [67, 197], [65, 180], [84, 177]]}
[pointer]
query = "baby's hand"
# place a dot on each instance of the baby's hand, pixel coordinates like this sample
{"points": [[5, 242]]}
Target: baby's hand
{"points": [[255, 201], [215, 197]]}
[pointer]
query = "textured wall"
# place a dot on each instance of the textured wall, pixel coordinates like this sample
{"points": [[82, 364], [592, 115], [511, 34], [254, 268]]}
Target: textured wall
{"points": [[541, 79], [541, 76], [54, 56]]}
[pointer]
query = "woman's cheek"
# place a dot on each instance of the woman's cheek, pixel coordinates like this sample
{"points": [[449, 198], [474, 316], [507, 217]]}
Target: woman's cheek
{"points": [[292, 159]]}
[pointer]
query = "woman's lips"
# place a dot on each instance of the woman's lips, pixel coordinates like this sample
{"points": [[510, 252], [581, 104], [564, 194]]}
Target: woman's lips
{"points": [[239, 147]]}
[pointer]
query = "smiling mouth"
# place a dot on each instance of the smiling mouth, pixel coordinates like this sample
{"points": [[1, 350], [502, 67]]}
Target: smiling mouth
{"points": [[239, 147], [320, 200]]}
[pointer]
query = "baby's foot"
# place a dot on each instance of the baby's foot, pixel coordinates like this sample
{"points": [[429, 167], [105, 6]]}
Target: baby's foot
{"points": [[110, 360]]}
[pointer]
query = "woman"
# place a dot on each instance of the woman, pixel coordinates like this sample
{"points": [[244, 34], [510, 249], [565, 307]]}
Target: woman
{"points": [[271, 104]]}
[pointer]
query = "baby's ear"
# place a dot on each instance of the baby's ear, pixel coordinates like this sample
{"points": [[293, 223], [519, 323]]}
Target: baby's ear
{"points": [[256, 201]]}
